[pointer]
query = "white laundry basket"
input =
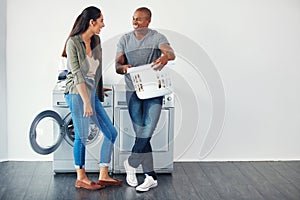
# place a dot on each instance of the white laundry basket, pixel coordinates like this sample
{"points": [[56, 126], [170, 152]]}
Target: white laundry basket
{"points": [[149, 83]]}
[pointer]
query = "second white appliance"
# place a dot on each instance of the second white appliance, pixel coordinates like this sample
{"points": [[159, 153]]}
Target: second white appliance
{"points": [[162, 141]]}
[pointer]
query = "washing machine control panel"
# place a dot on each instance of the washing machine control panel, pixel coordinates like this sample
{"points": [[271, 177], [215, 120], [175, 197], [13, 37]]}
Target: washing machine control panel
{"points": [[59, 96]]}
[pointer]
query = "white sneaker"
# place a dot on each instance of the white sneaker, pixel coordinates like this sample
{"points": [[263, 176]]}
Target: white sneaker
{"points": [[149, 182], [130, 174]]}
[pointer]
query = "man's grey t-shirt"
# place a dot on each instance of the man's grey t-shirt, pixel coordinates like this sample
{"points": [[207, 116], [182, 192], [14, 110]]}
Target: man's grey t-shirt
{"points": [[140, 52]]}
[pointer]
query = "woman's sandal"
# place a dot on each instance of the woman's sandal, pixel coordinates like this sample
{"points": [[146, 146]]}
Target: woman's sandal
{"points": [[91, 186], [110, 183]]}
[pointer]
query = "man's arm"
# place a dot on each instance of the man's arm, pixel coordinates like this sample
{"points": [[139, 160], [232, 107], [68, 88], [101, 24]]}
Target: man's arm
{"points": [[121, 63], [167, 54]]}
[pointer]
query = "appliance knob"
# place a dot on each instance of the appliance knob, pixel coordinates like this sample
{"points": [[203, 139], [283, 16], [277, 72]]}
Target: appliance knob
{"points": [[169, 98]]}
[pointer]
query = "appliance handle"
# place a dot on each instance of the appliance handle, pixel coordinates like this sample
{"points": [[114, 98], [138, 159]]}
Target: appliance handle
{"points": [[62, 103]]}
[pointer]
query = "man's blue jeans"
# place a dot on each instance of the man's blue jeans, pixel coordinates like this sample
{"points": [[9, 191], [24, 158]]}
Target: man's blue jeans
{"points": [[144, 116], [81, 129]]}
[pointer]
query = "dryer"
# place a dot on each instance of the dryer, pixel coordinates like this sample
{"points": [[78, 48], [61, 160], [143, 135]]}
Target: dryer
{"points": [[162, 141], [58, 123]]}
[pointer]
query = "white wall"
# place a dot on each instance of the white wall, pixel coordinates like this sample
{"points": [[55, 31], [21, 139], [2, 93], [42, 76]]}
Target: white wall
{"points": [[251, 47], [3, 96]]}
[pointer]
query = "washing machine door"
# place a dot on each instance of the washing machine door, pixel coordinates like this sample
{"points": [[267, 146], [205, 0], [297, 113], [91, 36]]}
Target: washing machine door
{"points": [[47, 132], [94, 132]]}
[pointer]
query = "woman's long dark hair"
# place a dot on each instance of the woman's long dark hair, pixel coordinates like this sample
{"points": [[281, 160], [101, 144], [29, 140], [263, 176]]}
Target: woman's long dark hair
{"points": [[82, 23]]}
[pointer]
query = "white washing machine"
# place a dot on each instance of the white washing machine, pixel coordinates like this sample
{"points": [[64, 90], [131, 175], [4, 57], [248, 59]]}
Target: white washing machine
{"points": [[56, 126], [162, 141]]}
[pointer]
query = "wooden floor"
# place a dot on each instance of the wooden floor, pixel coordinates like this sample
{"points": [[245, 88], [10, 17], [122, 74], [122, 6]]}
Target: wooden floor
{"points": [[201, 180]]}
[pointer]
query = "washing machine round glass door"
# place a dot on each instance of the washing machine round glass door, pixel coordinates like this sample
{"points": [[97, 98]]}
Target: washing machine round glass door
{"points": [[47, 132], [94, 139], [94, 131]]}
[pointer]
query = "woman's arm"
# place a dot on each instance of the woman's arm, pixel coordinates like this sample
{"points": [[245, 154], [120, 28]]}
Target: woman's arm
{"points": [[78, 78], [87, 107]]}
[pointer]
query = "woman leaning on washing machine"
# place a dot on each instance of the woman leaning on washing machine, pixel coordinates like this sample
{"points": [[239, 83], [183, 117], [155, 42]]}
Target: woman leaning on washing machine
{"points": [[84, 86]]}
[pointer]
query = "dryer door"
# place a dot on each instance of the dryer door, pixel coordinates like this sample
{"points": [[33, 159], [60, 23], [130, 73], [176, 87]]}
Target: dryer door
{"points": [[47, 132]]}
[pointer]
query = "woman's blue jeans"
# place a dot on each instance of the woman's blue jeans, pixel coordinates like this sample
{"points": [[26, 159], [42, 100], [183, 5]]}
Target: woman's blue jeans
{"points": [[81, 129], [144, 116]]}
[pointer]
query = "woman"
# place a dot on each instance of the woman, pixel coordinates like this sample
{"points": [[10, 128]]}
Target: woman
{"points": [[84, 87]]}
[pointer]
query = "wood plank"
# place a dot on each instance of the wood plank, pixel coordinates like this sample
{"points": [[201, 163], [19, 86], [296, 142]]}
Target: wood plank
{"points": [[196, 174], [238, 192], [208, 192], [44, 168], [252, 175], [27, 168], [40, 181], [294, 164], [269, 173], [288, 190], [20, 175], [200, 181], [17, 187], [2, 192], [232, 174], [182, 185], [165, 188], [287, 172], [215, 174], [38, 188], [6, 172], [268, 191], [62, 186]]}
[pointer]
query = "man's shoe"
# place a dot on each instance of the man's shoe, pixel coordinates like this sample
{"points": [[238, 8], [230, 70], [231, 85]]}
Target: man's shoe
{"points": [[149, 182], [130, 174]]}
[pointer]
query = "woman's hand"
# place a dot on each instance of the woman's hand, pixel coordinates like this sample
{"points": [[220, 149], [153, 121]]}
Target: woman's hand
{"points": [[106, 90], [87, 109]]}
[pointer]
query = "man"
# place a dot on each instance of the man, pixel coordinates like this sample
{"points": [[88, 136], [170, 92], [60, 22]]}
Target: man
{"points": [[139, 47]]}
